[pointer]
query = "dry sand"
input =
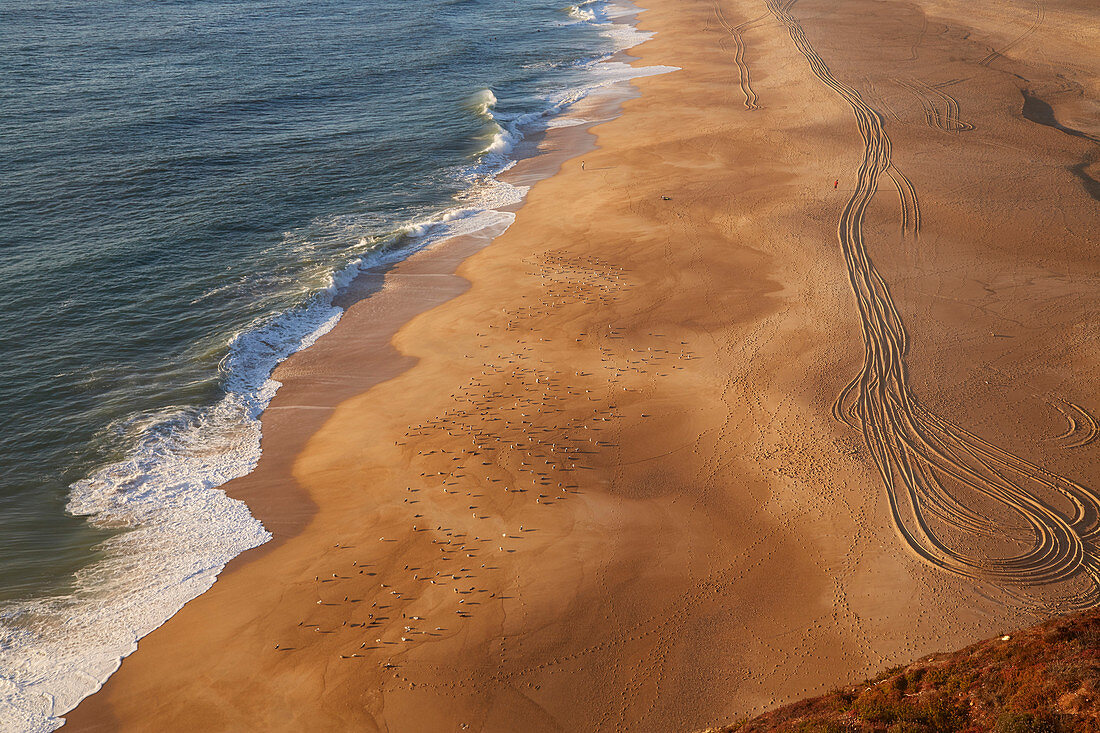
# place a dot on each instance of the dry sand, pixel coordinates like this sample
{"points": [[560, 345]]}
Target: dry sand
{"points": [[603, 488]]}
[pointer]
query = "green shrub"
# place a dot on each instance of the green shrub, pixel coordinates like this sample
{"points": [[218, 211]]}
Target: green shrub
{"points": [[909, 727], [936, 677], [1010, 722], [826, 727], [945, 714], [876, 710]]}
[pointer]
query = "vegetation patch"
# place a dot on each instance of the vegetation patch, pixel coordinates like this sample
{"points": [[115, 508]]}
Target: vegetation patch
{"points": [[1045, 679]]}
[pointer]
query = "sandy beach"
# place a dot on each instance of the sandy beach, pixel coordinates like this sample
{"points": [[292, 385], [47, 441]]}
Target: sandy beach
{"points": [[785, 376]]}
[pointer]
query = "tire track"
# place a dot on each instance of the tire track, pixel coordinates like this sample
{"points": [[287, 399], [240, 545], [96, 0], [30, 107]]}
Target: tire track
{"points": [[920, 39], [736, 32], [947, 120], [1083, 427], [959, 502], [1040, 16], [873, 94], [910, 205]]}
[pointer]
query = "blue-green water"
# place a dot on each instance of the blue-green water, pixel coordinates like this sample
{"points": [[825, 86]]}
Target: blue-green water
{"points": [[186, 184]]}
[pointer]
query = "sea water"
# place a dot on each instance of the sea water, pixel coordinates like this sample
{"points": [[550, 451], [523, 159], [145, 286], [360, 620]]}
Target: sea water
{"points": [[186, 186]]}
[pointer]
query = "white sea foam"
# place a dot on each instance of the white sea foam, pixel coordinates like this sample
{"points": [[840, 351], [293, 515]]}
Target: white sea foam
{"points": [[178, 529], [600, 11], [581, 12], [509, 129], [556, 123]]}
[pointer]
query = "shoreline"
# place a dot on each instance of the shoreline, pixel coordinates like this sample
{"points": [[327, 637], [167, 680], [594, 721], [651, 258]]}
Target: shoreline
{"points": [[672, 323], [379, 302], [358, 353], [348, 361], [63, 668]]}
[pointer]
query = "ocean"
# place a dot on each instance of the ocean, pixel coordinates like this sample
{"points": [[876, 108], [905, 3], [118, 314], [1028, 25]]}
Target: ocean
{"points": [[186, 186]]}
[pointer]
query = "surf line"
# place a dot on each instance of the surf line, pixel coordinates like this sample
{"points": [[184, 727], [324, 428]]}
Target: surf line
{"points": [[931, 468]]}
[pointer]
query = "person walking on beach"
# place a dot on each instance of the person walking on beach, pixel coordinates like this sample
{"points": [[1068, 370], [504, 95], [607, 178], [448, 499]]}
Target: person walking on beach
{"points": [[836, 184]]}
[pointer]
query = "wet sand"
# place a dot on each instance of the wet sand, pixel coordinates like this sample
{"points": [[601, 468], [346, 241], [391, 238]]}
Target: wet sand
{"points": [[618, 481]]}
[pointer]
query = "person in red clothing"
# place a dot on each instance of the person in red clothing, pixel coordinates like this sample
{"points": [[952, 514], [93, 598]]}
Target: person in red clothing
{"points": [[836, 183]]}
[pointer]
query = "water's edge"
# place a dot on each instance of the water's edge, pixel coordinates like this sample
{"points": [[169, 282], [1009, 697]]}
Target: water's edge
{"points": [[220, 535]]}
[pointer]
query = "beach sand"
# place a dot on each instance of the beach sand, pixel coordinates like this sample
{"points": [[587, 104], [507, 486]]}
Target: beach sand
{"points": [[595, 481]]}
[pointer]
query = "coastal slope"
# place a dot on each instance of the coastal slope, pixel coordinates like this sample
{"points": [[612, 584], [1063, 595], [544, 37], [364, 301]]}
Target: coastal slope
{"points": [[1043, 678]]}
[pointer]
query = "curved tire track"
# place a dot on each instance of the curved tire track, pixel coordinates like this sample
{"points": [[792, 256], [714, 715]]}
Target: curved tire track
{"points": [[910, 205], [1040, 16], [942, 481], [947, 120], [736, 32], [1083, 427]]}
